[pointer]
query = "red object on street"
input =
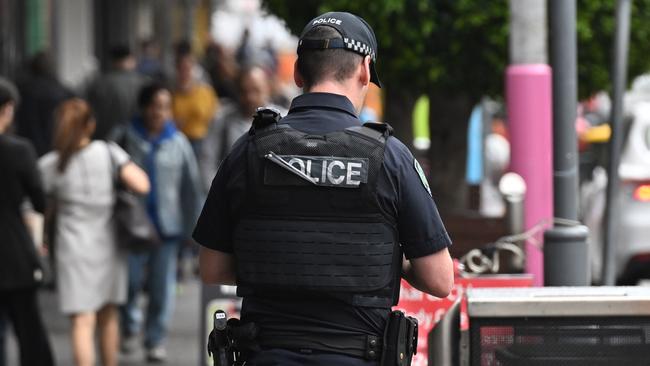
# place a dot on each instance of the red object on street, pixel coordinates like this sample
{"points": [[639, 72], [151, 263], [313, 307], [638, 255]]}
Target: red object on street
{"points": [[429, 309]]}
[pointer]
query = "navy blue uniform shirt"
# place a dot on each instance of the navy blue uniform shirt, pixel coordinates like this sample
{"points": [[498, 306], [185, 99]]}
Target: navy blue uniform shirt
{"points": [[401, 191]]}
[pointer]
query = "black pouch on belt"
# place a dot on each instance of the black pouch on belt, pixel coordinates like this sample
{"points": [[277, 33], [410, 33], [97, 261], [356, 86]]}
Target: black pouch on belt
{"points": [[400, 340]]}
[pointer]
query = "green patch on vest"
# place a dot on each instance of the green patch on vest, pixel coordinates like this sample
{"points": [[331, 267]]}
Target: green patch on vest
{"points": [[423, 178]]}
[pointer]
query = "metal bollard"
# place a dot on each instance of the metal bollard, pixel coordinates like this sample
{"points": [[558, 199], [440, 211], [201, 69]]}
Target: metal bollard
{"points": [[513, 188], [565, 253]]}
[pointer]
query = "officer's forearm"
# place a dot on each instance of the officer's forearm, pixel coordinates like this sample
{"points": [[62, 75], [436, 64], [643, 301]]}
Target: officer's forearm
{"points": [[432, 274], [408, 275]]}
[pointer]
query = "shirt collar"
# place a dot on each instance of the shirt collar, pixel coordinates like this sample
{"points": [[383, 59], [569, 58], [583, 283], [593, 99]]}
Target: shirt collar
{"points": [[167, 132], [323, 100]]}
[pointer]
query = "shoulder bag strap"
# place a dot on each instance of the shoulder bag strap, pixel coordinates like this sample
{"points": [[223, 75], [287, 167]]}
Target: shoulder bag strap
{"points": [[115, 171]]}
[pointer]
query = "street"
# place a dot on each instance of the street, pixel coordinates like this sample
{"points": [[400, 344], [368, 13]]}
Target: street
{"points": [[182, 344]]}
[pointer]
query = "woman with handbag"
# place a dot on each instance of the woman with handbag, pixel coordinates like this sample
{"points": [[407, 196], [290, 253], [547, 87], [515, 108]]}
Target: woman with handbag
{"points": [[20, 272], [173, 205], [80, 176]]}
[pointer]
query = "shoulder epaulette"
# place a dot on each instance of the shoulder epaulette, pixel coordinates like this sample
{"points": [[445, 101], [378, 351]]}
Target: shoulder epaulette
{"points": [[382, 127], [374, 130], [264, 117]]}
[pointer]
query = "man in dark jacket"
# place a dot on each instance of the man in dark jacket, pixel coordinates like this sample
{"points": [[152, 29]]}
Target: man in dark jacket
{"points": [[41, 93], [113, 95], [20, 272]]}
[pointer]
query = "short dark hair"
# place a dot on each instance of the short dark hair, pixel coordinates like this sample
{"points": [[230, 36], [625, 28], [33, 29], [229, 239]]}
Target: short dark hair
{"points": [[183, 48], [148, 92], [8, 92], [41, 64], [318, 65], [119, 52]]}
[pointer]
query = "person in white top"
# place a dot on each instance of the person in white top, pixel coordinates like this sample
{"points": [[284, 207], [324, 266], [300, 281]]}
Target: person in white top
{"points": [[79, 176]]}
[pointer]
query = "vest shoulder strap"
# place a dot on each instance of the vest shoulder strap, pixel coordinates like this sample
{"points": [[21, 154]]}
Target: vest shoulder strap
{"points": [[264, 117], [375, 130]]}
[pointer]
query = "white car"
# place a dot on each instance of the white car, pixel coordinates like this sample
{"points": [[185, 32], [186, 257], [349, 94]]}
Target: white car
{"points": [[632, 234], [631, 229]]}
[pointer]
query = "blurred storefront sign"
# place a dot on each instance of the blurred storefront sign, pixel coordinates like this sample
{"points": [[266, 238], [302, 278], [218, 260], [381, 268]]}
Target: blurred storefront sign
{"points": [[429, 310]]}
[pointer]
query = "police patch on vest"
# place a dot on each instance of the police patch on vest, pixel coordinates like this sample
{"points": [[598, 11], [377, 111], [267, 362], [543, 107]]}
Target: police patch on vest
{"points": [[317, 170], [423, 177]]}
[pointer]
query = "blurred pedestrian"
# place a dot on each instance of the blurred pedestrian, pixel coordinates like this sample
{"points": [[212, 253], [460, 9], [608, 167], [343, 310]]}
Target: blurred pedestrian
{"points": [[245, 49], [20, 272], [41, 92], [194, 102], [173, 206], [234, 119], [112, 95], [149, 62], [80, 176], [222, 68], [281, 94]]}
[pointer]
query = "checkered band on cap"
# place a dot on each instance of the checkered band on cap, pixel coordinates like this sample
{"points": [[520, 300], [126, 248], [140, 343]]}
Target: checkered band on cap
{"points": [[359, 47]]}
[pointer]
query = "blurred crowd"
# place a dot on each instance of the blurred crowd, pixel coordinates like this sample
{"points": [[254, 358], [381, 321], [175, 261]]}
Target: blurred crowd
{"points": [[66, 154]]}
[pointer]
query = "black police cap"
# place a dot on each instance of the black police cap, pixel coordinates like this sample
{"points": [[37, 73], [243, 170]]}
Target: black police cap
{"points": [[356, 36]]}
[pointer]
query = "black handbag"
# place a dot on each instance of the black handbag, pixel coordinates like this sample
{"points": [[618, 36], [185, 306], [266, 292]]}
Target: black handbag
{"points": [[134, 230]]}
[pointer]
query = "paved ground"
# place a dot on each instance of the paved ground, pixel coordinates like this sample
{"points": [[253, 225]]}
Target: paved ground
{"points": [[183, 341]]}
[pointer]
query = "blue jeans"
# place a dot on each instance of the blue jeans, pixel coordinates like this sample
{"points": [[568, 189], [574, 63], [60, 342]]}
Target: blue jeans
{"points": [[160, 287]]}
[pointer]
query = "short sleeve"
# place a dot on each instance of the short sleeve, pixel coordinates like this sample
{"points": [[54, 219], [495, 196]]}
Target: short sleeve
{"points": [[32, 178], [119, 156], [215, 226], [421, 230], [210, 152], [47, 167]]}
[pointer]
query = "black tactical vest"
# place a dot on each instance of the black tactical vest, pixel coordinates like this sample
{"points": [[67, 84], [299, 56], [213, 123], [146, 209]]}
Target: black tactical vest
{"points": [[311, 225]]}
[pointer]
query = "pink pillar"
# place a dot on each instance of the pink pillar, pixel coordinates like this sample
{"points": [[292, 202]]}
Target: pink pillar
{"points": [[529, 100]]}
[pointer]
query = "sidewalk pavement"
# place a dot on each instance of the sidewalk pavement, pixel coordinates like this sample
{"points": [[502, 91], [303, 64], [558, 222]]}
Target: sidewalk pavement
{"points": [[182, 343]]}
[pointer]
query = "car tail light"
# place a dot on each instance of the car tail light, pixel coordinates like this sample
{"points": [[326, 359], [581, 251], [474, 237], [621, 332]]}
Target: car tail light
{"points": [[642, 193], [641, 258]]}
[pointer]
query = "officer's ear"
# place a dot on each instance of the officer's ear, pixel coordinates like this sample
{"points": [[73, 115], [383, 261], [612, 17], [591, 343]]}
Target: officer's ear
{"points": [[297, 77], [364, 71]]}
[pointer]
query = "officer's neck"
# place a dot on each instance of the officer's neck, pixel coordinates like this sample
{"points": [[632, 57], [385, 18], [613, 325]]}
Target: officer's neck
{"points": [[347, 89]]}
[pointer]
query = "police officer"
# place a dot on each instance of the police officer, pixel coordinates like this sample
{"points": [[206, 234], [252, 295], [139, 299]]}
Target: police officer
{"points": [[315, 218]]}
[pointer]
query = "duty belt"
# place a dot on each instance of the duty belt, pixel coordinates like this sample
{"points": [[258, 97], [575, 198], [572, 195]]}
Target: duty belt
{"points": [[395, 348], [230, 342], [361, 346]]}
